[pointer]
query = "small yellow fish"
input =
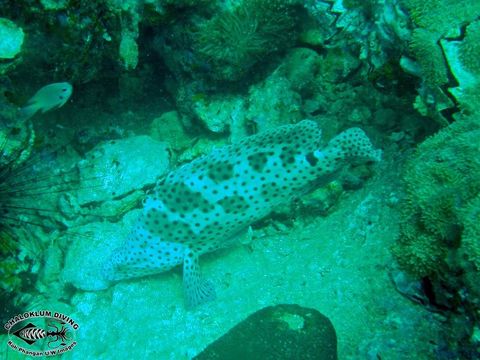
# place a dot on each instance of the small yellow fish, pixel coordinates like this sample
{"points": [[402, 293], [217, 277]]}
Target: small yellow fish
{"points": [[47, 98]]}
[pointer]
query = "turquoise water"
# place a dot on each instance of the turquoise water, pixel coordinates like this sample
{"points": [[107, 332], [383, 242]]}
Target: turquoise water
{"points": [[173, 173]]}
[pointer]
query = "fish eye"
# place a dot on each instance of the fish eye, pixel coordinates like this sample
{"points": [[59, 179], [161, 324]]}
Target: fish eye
{"points": [[64, 89]]}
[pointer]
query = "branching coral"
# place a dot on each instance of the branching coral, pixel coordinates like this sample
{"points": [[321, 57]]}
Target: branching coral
{"points": [[234, 41]]}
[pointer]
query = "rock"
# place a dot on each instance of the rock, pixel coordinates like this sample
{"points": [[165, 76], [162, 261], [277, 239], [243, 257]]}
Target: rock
{"points": [[360, 115], [320, 201], [273, 103], [216, 112], [116, 168], [465, 79], [128, 50], [168, 128], [276, 333], [17, 144], [312, 37], [336, 66], [408, 286], [385, 118], [201, 147], [11, 37], [301, 67], [54, 4], [89, 247], [131, 86]]}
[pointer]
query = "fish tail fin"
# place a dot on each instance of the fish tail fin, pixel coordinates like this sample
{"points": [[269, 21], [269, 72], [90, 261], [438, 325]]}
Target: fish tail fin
{"points": [[108, 270], [28, 111], [113, 270], [197, 290], [354, 143]]}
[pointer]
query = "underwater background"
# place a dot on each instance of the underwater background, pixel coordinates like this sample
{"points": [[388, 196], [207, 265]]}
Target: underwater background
{"points": [[112, 111]]}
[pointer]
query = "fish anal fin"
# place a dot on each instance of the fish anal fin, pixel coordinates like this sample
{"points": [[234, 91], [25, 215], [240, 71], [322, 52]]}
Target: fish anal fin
{"points": [[197, 290]]}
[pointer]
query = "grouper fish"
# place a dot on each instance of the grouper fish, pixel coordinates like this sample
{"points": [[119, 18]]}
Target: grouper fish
{"points": [[208, 203]]}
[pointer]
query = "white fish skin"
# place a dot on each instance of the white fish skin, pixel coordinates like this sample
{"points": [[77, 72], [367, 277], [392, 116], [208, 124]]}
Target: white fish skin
{"points": [[49, 97]]}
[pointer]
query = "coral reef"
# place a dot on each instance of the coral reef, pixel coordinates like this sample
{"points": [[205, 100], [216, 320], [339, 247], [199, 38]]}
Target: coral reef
{"points": [[18, 248], [168, 128], [444, 56], [439, 234], [441, 183], [470, 48], [471, 232], [430, 57], [159, 83], [234, 41], [442, 16]]}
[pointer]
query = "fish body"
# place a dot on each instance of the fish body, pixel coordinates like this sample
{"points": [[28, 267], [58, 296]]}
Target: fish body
{"points": [[49, 97], [206, 204]]}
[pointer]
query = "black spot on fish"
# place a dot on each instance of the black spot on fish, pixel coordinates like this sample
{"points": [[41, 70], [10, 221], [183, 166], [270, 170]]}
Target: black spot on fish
{"points": [[258, 160], [231, 204], [220, 171], [312, 160]]}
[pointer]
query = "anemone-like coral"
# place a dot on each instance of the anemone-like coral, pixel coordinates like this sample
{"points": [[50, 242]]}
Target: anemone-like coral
{"points": [[421, 255], [470, 101], [471, 233], [470, 48], [234, 41], [442, 15], [441, 53], [429, 55], [442, 179]]}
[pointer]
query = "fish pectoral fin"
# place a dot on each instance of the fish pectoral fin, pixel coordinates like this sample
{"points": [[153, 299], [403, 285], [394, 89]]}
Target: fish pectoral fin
{"points": [[197, 290]]}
